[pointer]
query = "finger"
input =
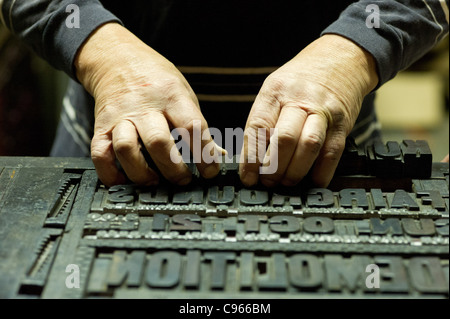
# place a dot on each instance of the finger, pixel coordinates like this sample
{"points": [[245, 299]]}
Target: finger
{"points": [[263, 116], [128, 151], [288, 129], [204, 150], [155, 134], [312, 138], [104, 159], [328, 159]]}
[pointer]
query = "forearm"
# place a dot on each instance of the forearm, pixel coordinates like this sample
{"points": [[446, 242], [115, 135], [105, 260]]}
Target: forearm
{"points": [[42, 24], [344, 64]]}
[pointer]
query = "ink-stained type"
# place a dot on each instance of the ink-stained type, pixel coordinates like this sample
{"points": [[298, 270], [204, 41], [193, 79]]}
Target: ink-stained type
{"points": [[379, 229]]}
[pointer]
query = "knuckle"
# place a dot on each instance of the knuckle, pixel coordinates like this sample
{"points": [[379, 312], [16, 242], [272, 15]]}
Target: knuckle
{"points": [[169, 83], [338, 114], [333, 151], [286, 139], [157, 141], [258, 121], [123, 146], [193, 124], [98, 154], [169, 89], [275, 83], [314, 142]]}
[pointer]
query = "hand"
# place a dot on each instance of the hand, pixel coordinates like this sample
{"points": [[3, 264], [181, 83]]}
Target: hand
{"points": [[313, 102], [138, 95], [445, 160]]}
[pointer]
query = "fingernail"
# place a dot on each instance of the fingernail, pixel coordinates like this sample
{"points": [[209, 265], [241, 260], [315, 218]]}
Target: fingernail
{"points": [[153, 178], [185, 181], [210, 171], [249, 178], [288, 182], [120, 179], [152, 182], [268, 182]]}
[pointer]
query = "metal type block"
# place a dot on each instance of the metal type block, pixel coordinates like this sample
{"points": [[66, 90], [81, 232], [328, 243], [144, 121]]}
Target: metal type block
{"points": [[65, 235]]}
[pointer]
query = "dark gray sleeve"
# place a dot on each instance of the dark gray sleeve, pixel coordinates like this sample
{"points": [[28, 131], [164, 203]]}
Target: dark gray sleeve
{"points": [[48, 27], [407, 30]]}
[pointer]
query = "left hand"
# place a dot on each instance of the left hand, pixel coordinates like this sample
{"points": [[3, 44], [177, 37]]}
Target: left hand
{"points": [[313, 102]]}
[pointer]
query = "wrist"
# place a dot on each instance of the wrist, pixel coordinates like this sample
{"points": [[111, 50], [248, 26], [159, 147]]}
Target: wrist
{"points": [[103, 52], [353, 62]]}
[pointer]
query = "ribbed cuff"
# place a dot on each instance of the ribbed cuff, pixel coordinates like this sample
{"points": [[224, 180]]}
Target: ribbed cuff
{"points": [[406, 31], [62, 42], [352, 25]]}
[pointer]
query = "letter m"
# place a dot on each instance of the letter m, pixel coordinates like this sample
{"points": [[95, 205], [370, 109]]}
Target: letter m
{"points": [[346, 273]]}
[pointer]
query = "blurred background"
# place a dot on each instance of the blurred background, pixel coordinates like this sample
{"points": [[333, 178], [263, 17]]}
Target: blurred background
{"points": [[415, 105], [30, 97]]}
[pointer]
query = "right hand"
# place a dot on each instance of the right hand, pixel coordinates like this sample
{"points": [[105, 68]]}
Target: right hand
{"points": [[313, 101], [138, 94]]}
